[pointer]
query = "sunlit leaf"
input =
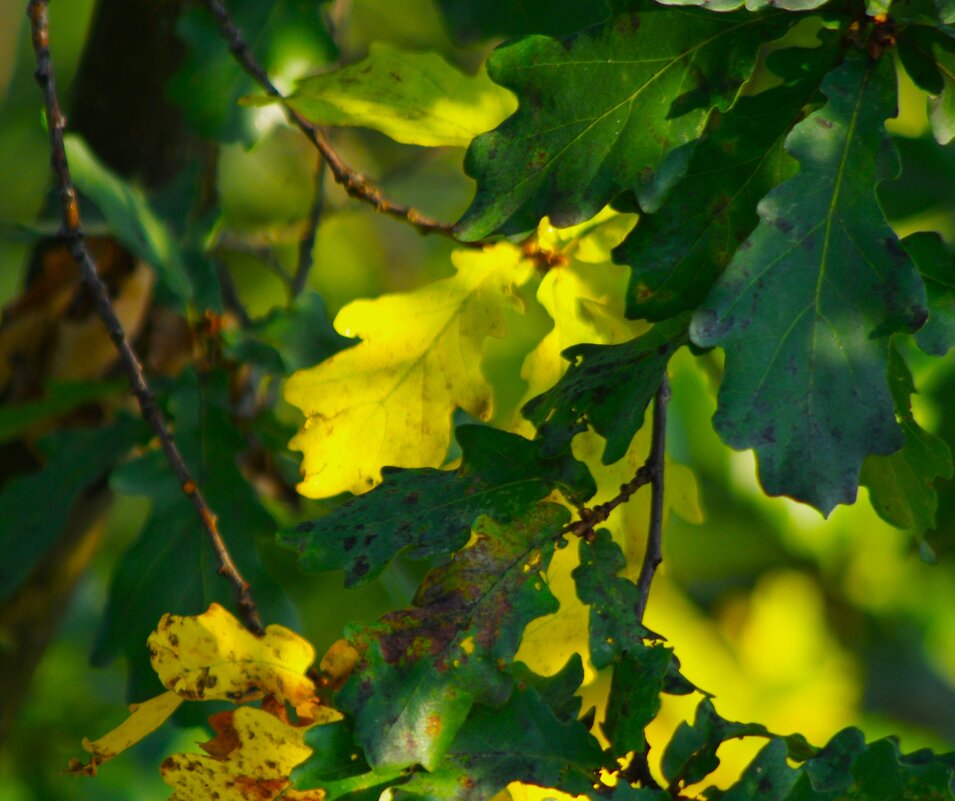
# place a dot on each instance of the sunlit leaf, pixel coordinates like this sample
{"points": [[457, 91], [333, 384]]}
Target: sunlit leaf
{"points": [[250, 759], [425, 667], [677, 253], [594, 120], [388, 400], [415, 98], [801, 308], [144, 719], [431, 511], [901, 485], [213, 655]]}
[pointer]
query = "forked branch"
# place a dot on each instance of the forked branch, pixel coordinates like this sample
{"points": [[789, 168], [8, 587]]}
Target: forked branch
{"points": [[72, 232]]}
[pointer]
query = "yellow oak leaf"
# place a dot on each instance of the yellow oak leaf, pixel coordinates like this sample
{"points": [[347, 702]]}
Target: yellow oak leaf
{"points": [[143, 719], [389, 399], [249, 759], [212, 655]]}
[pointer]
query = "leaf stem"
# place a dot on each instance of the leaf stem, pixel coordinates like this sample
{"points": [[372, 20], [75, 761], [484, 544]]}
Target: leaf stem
{"points": [[354, 183], [72, 232]]}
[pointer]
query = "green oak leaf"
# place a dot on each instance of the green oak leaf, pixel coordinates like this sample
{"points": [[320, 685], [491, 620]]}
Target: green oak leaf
{"points": [[638, 679], [767, 778], [601, 110], [607, 387], [677, 253], [59, 398], [936, 264], [802, 307], [130, 218], [475, 20], [423, 668], [521, 741], [149, 579], [35, 507], [431, 511], [928, 56], [611, 598], [901, 485], [690, 756], [414, 98]]}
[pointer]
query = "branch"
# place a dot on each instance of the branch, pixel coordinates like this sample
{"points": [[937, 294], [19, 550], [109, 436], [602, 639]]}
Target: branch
{"points": [[354, 183], [72, 231], [653, 555], [306, 245]]}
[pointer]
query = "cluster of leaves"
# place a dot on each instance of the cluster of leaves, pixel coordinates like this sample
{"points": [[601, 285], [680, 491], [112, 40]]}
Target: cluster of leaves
{"points": [[760, 232]]}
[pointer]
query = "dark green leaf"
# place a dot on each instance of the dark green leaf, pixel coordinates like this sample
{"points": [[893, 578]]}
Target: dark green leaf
{"points": [[802, 307], [767, 778], [424, 667], [596, 119], [638, 680], [901, 485], [171, 567], [35, 507], [677, 253], [936, 263], [929, 58], [751, 5], [521, 741], [130, 218], [290, 339], [473, 20], [556, 691], [335, 755], [58, 399], [607, 387], [612, 600], [690, 755], [431, 511]]}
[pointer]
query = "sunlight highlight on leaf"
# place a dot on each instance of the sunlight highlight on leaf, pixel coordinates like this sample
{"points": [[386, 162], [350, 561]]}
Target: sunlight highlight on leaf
{"points": [[389, 399]]}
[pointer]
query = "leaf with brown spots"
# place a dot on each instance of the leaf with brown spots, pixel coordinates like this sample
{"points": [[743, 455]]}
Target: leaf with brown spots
{"points": [[803, 309], [424, 667], [212, 655]]}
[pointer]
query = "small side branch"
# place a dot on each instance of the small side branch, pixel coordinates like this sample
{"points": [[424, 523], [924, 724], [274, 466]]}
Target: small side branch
{"points": [[306, 244], [354, 183], [653, 555], [72, 231]]}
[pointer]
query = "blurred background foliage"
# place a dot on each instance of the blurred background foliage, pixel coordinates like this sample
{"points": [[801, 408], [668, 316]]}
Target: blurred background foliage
{"points": [[797, 622]]}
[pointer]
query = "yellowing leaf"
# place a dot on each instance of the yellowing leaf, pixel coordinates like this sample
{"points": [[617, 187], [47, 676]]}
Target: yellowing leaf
{"points": [[415, 98], [213, 656], [143, 719], [389, 399], [249, 760]]}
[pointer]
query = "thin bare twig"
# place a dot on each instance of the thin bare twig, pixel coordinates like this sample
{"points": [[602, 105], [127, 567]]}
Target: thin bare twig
{"points": [[72, 231], [306, 244], [653, 555], [354, 183]]}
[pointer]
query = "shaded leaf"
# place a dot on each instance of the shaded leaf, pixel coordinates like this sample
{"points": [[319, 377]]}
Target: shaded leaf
{"points": [[431, 511], [415, 98], [607, 387], [521, 741], [767, 778], [936, 264], [801, 308], [595, 121], [928, 55], [290, 338], [130, 218], [59, 397], [677, 253], [35, 507], [639, 677], [901, 485], [389, 399], [425, 667], [150, 579]]}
